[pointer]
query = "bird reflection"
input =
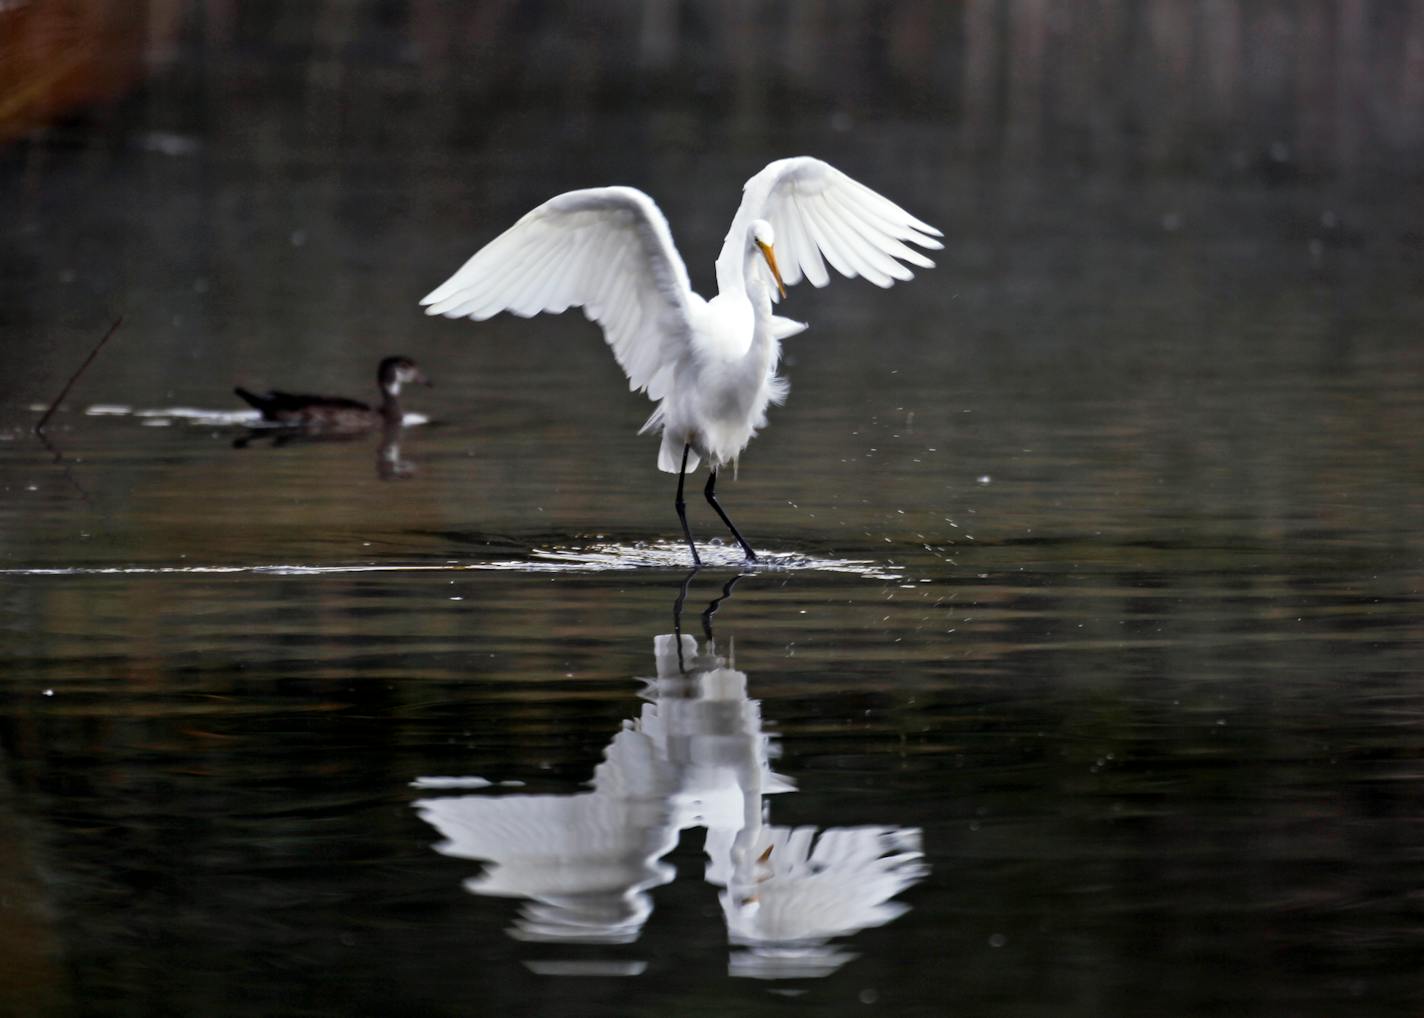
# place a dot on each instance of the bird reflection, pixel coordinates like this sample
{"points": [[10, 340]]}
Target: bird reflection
{"points": [[390, 464], [695, 756]]}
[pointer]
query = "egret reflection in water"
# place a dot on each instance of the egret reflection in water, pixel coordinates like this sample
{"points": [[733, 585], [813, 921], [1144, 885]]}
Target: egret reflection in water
{"points": [[695, 756]]}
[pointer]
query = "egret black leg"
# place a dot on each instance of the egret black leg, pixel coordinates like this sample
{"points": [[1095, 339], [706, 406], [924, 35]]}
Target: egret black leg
{"points": [[711, 492], [678, 603], [682, 507], [677, 617], [711, 609]]}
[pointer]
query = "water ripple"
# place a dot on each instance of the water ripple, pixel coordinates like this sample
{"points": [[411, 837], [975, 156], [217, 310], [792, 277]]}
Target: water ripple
{"points": [[206, 416]]}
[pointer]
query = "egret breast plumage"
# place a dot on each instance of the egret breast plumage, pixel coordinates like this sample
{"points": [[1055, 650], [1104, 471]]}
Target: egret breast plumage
{"points": [[710, 365]]}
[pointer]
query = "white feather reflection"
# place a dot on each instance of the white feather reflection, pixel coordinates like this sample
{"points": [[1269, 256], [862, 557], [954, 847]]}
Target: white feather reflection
{"points": [[696, 756]]}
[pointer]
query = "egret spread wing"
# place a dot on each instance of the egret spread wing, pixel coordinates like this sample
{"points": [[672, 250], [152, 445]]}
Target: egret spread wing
{"points": [[817, 212], [607, 249]]}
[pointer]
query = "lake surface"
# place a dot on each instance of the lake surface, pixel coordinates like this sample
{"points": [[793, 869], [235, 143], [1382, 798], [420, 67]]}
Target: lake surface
{"points": [[1081, 674]]}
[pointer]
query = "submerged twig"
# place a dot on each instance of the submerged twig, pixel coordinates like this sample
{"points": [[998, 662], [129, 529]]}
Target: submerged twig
{"points": [[39, 427], [63, 465]]}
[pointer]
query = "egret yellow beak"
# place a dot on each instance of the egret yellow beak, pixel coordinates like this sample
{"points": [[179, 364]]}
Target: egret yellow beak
{"points": [[770, 257]]}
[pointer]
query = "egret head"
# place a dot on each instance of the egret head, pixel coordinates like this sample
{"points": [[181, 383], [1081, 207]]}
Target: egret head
{"points": [[396, 371], [764, 238]]}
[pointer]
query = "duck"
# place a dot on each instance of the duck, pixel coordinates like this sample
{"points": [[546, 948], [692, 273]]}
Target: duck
{"points": [[336, 413]]}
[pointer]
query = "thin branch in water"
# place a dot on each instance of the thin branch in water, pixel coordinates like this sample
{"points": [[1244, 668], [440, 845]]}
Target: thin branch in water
{"points": [[39, 427], [63, 465]]}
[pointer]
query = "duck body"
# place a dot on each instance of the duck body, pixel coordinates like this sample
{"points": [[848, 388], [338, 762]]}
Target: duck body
{"points": [[304, 411], [336, 413]]}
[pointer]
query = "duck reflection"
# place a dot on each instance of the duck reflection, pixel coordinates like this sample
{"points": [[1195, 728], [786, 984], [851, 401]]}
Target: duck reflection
{"points": [[335, 418], [390, 464], [695, 756]]}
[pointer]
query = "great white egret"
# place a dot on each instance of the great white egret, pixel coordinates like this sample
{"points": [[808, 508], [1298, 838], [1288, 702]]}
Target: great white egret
{"points": [[709, 364]]}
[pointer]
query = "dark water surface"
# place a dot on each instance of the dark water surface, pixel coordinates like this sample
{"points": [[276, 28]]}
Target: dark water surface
{"points": [[1082, 676]]}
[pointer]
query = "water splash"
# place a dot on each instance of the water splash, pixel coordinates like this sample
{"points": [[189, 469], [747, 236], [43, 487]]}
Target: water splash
{"points": [[596, 558], [611, 557]]}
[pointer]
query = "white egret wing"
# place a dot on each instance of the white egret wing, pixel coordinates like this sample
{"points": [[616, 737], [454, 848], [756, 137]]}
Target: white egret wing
{"points": [[817, 212], [607, 249], [842, 883]]}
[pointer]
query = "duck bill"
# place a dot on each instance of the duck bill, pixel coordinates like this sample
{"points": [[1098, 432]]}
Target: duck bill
{"points": [[770, 256]]}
